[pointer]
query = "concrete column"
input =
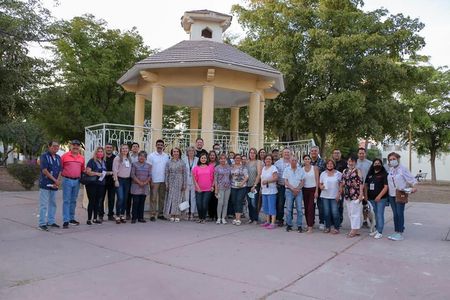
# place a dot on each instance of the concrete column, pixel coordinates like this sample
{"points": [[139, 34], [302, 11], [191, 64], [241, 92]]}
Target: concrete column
{"points": [[261, 123], [253, 120], [234, 128], [208, 116], [157, 112], [194, 124], [139, 112]]}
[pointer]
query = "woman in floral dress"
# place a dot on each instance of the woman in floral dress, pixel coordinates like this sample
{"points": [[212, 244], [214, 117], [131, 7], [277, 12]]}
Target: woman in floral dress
{"points": [[353, 188], [175, 185]]}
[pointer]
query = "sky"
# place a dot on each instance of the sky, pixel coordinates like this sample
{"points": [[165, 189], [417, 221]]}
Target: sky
{"points": [[158, 22]]}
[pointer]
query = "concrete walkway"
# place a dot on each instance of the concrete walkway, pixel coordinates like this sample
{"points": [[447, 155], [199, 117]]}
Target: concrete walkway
{"points": [[165, 260]]}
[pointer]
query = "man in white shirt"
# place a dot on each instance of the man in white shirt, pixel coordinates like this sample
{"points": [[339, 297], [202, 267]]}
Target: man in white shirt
{"points": [[282, 164], [158, 160], [293, 181]]}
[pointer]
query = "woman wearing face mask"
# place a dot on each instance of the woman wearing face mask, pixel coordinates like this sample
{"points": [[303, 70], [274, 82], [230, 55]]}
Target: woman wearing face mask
{"points": [[330, 185], [376, 188], [399, 178], [95, 190], [353, 189]]}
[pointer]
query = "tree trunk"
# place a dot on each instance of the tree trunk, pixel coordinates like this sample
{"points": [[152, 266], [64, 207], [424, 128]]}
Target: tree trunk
{"points": [[322, 143], [433, 165]]}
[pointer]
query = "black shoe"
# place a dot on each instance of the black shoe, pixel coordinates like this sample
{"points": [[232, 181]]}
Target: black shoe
{"points": [[162, 218], [74, 222], [66, 225], [133, 221], [288, 228], [152, 219], [43, 228], [128, 217], [54, 225], [97, 222], [111, 218], [122, 220], [142, 221], [88, 222], [299, 230], [281, 223]]}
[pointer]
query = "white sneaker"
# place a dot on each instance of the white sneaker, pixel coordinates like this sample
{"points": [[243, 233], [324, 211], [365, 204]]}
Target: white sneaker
{"points": [[238, 222], [177, 220], [321, 227], [224, 221], [378, 236], [234, 222], [218, 221], [373, 233], [172, 219]]}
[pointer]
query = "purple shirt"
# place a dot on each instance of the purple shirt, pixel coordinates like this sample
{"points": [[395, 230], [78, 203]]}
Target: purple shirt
{"points": [[222, 176]]}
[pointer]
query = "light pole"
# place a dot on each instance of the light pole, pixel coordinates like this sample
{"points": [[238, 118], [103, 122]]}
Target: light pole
{"points": [[410, 139]]}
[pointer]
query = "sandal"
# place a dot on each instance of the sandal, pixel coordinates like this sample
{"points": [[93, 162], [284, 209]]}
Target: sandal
{"points": [[335, 231]]}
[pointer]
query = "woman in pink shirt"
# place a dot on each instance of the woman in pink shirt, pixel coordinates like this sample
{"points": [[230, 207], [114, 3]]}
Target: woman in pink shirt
{"points": [[203, 176]]}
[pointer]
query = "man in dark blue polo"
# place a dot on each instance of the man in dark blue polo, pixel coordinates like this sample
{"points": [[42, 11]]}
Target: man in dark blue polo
{"points": [[49, 182]]}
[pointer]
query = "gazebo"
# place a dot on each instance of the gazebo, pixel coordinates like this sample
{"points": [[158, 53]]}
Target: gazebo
{"points": [[204, 73]]}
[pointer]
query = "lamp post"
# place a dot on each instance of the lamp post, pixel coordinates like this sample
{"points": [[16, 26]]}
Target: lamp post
{"points": [[410, 139]]}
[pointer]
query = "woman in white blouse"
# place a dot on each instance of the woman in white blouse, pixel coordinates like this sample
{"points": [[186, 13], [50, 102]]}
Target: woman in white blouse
{"points": [[401, 180]]}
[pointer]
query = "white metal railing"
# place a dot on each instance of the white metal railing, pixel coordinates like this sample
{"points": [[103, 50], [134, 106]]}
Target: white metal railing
{"points": [[118, 134]]}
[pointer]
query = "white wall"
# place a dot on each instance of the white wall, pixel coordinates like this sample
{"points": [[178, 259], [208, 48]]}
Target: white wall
{"points": [[422, 163]]}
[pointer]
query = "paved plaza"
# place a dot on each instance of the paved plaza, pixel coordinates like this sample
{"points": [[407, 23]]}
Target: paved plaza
{"points": [[164, 260]]}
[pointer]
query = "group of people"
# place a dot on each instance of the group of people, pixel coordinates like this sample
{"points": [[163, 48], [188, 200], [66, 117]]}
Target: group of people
{"points": [[211, 185]]}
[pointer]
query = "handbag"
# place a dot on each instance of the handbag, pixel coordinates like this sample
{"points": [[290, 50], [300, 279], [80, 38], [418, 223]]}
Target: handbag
{"points": [[86, 179], [184, 205], [400, 196]]}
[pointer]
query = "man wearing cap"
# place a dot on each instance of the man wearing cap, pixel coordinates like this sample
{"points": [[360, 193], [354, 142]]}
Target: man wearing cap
{"points": [[49, 182], [72, 167]]}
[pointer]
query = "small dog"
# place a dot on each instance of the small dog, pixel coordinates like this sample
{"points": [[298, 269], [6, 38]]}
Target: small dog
{"points": [[369, 216]]}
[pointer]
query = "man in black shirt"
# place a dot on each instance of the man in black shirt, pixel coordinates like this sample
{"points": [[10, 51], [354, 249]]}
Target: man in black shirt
{"points": [[110, 189], [199, 147]]}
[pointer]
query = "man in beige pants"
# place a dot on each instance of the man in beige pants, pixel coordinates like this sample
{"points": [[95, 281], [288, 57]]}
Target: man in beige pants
{"points": [[158, 160]]}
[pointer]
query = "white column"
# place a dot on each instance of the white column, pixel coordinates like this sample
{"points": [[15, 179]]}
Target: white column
{"points": [[261, 123], [194, 124], [157, 112], [234, 128], [208, 116], [253, 121], [139, 113]]}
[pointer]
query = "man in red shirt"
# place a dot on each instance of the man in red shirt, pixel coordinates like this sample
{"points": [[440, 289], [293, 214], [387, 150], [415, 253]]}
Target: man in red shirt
{"points": [[72, 167]]}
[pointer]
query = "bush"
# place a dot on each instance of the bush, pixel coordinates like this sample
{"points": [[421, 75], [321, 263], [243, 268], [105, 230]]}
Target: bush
{"points": [[26, 174]]}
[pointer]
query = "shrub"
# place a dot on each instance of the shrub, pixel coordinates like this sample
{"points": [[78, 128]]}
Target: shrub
{"points": [[26, 174]]}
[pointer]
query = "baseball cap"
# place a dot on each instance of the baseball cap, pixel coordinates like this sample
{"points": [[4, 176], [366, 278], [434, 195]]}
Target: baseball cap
{"points": [[75, 142]]}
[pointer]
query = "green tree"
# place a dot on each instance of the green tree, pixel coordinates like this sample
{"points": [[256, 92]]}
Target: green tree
{"points": [[430, 105], [89, 58], [342, 66], [21, 22]]}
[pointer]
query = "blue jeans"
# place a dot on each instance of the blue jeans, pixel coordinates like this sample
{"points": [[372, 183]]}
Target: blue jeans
{"points": [[290, 198], [252, 203], [71, 187], [47, 207], [378, 208], [122, 195], [280, 202], [202, 200], [398, 210], [331, 213]]}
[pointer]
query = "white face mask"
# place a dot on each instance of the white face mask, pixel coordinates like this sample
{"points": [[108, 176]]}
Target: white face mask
{"points": [[393, 163]]}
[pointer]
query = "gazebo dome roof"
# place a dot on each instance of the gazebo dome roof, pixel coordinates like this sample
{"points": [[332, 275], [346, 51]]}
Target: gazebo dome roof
{"points": [[205, 53]]}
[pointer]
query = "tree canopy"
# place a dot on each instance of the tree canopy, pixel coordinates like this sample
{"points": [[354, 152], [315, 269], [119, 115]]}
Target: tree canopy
{"points": [[342, 66]]}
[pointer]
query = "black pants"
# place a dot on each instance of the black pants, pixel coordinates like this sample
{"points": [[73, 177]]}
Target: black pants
{"points": [[202, 199], [138, 207], [212, 206], [252, 205], [281, 199], [110, 191], [95, 193], [128, 205]]}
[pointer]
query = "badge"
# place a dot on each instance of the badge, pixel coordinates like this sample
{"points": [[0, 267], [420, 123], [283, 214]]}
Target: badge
{"points": [[127, 164], [372, 186]]}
